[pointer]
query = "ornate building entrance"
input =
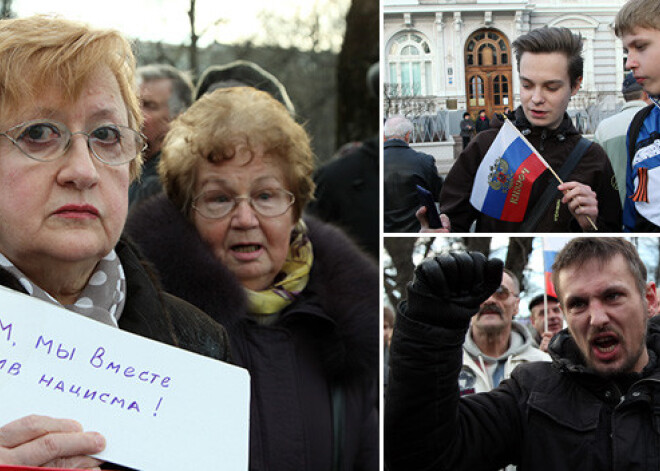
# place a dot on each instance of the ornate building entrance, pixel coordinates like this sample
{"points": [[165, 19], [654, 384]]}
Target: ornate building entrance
{"points": [[488, 72]]}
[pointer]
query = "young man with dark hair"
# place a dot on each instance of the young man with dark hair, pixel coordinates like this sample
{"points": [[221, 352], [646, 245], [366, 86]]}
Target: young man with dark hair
{"points": [[638, 26], [591, 408], [550, 67]]}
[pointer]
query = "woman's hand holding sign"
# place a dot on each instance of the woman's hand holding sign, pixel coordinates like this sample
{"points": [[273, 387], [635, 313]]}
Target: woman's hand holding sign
{"points": [[44, 441]]}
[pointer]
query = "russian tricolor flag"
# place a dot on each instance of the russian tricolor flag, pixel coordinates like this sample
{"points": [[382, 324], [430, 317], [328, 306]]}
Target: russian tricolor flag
{"points": [[551, 247], [505, 176]]}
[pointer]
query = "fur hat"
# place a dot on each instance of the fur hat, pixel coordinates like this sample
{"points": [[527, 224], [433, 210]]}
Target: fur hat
{"points": [[243, 74]]}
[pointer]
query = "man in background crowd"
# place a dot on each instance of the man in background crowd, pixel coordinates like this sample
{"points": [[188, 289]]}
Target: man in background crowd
{"points": [[495, 344], [611, 132], [165, 92], [538, 312], [404, 169]]}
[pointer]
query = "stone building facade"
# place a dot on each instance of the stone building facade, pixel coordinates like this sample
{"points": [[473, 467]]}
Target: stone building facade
{"points": [[456, 54]]}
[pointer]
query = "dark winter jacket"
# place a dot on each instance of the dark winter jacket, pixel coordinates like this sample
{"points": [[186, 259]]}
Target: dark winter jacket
{"points": [[403, 169], [548, 416], [148, 184], [482, 124], [348, 194], [327, 338], [644, 216], [154, 314], [594, 169], [467, 127]]}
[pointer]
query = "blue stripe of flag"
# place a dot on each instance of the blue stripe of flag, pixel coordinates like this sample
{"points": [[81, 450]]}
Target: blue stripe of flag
{"points": [[548, 260]]}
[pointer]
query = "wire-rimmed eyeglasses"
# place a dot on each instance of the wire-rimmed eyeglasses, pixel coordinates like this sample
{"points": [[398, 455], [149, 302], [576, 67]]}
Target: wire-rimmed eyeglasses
{"points": [[503, 293], [44, 140], [216, 204]]}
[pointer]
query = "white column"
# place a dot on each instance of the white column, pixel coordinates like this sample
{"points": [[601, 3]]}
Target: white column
{"points": [[458, 62], [439, 64]]}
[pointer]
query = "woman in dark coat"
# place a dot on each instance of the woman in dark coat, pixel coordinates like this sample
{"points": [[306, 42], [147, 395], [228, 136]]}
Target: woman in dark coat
{"points": [[299, 301]]}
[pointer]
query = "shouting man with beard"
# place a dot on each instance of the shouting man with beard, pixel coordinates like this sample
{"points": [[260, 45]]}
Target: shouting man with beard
{"points": [[495, 343], [594, 407]]}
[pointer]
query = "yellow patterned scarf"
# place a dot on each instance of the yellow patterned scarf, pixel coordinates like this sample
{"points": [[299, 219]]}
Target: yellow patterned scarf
{"points": [[292, 278]]}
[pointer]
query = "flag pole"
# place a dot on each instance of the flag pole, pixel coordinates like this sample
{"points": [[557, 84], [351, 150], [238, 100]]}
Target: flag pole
{"points": [[545, 292], [547, 165]]}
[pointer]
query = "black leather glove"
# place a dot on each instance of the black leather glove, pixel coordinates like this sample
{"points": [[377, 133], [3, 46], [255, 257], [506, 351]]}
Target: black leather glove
{"points": [[447, 290]]}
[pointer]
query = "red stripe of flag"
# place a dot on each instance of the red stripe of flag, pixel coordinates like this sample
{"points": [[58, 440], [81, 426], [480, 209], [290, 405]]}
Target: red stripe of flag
{"points": [[518, 195], [549, 286]]}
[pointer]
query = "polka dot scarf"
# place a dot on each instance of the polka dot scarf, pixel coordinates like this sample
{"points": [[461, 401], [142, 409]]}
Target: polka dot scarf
{"points": [[102, 299]]}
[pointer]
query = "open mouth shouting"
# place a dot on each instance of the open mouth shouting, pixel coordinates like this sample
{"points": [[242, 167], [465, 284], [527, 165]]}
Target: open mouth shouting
{"points": [[605, 346]]}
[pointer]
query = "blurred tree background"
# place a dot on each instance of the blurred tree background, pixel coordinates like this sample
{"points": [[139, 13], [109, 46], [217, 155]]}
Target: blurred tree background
{"points": [[321, 56]]}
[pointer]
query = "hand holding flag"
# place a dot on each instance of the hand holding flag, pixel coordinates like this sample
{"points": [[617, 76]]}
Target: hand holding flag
{"points": [[504, 179], [505, 176]]}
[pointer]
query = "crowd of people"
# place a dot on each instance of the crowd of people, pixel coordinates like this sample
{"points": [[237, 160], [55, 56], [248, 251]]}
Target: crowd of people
{"points": [[586, 406], [579, 192], [178, 212], [468, 388], [195, 214]]}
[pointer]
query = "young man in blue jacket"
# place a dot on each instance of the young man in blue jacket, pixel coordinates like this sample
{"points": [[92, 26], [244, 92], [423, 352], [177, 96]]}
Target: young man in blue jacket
{"points": [[638, 26]]}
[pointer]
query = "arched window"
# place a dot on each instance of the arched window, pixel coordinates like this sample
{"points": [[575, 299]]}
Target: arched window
{"points": [[409, 58], [501, 91], [486, 49], [476, 91]]}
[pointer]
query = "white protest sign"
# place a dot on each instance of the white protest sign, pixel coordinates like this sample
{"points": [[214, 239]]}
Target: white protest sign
{"points": [[159, 407]]}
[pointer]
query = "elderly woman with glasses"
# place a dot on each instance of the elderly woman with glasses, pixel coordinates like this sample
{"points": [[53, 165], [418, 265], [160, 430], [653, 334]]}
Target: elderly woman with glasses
{"points": [[299, 301], [69, 148]]}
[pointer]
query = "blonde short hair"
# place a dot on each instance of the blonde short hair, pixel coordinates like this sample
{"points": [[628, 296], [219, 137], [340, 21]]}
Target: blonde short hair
{"points": [[637, 14], [41, 51], [213, 127]]}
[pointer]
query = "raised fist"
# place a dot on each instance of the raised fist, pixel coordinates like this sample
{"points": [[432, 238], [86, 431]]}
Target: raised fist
{"points": [[448, 289]]}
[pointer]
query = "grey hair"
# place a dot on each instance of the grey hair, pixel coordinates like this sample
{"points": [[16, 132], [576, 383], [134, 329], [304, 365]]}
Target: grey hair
{"points": [[182, 87], [397, 126], [514, 279]]}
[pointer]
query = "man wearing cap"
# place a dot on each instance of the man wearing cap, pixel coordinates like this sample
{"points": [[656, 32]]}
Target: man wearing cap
{"points": [[537, 312], [611, 132]]}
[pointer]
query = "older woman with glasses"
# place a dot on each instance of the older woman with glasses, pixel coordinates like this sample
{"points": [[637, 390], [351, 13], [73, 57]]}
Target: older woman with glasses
{"points": [[299, 301], [69, 147]]}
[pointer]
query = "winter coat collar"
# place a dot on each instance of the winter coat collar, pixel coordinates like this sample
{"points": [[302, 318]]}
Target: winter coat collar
{"points": [[396, 143], [567, 358], [520, 340]]}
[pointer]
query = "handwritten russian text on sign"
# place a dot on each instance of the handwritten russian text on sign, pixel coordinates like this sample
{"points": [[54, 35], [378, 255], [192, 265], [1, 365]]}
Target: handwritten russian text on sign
{"points": [[159, 407]]}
